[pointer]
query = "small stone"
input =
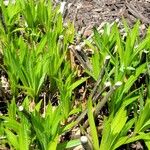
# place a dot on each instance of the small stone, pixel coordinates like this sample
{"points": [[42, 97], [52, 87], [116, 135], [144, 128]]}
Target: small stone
{"points": [[78, 48], [21, 108], [87, 33], [84, 139], [62, 7], [61, 37], [107, 57], [119, 83], [107, 84]]}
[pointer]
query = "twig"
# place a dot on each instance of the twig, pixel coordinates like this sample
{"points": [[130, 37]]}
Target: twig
{"points": [[85, 143], [82, 115], [100, 105], [88, 137], [81, 60], [96, 97], [101, 74]]}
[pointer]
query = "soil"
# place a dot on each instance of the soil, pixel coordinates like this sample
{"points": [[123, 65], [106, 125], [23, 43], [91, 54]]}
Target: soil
{"points": [[89, 13]]}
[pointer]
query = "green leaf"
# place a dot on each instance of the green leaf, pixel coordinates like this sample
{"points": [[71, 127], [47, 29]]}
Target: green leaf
{"points": [[107, 137], [119, 47], [77, 83], [92, 125], [126, 139], [23, 135], [143, 120], [12, 138], [141, 69], [69, 144], [119, 121], [128, 101], [69, 126], [147, 142], [74, 111], [41, 45], [38, 106], [127, 127], [53, 144]]}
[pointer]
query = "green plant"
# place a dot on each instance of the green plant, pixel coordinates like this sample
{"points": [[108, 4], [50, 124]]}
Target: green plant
{"points": [[17, 132], [126, 65], [33, 56], [33, 51], [34, 46], [116, 127], [26, 66], [126, 62], [36, 129], [92, 125], [66, 84]]}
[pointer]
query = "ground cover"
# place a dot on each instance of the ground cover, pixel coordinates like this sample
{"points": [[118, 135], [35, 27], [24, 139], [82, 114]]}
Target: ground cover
{"points": [[62, 90]]}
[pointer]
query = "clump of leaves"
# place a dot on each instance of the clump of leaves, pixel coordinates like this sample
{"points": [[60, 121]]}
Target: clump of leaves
{"points": [[22, 128], [126, 51], [39, 51]]}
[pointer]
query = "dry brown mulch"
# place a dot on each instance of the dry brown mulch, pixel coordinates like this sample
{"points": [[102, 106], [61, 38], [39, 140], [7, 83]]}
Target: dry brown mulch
{"points": [[87, 13]]}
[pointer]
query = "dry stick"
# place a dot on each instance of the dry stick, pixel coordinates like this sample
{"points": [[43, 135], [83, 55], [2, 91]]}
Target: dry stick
{"points": [[85, 58], [85, 143], [83, 114], [100, 105], [90, 145], [72, 60], [75, 14], [100, 76], [84, 64], [71, 47], [98, 94], [103, 101]]}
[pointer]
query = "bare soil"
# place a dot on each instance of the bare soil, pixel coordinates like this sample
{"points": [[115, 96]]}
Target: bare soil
{"points": [[89, 13]]}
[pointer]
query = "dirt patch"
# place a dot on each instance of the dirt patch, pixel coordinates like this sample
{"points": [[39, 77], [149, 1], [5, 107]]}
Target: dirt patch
{"points": [[87, 13]]}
